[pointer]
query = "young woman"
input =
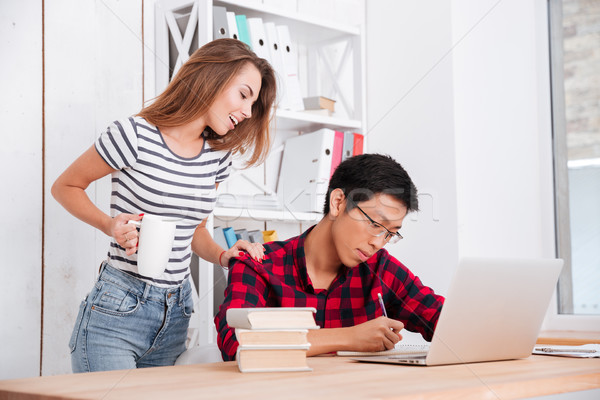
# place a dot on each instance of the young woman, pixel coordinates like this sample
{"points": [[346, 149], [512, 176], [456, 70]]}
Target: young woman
{"points": [[168, 160]]}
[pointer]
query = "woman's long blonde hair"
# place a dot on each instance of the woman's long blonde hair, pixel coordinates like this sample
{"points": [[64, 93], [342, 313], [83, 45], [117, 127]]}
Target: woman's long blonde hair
{"points": [[197, 84]]}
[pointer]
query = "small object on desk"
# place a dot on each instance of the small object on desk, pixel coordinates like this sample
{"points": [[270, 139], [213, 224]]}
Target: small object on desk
{"points": [[583, 351]]}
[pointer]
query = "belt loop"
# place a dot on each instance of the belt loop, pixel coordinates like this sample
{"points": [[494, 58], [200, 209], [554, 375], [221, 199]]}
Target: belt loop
{"points": [[146, 291], [101, 268]]}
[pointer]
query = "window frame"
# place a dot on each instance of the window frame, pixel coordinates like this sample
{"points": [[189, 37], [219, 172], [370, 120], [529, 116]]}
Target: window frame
{"points": [[559, 316]]}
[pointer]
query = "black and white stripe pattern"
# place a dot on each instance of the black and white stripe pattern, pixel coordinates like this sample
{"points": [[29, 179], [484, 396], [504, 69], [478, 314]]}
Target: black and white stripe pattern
{"points": [[151, 179]]}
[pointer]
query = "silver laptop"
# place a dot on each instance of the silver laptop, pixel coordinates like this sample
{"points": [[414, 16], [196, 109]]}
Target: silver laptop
{"points": [[493, 311]]}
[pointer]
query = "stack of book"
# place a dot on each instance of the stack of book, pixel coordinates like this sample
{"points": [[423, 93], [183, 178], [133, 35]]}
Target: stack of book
{"points": [[272, 339]]}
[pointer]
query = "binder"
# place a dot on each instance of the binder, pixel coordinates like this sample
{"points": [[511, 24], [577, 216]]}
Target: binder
{"points": [[220, 27], [229, 236], [256, 236], [338, 146], [305, 171], [242, 234], [293, 93], [348, 149], [258, 40], [219, 237], [269, 236], [277, 62], [357, 144], [242, 26], [232, 29]]}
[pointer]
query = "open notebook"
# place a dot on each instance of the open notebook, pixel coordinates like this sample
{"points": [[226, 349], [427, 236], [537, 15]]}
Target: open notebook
{"points": [[397, 350], [493, 311]]}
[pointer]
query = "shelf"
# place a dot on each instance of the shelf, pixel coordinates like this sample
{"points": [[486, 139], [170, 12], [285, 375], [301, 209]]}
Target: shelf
{"points": [[307, 122], [230, 214], [306, 28]]}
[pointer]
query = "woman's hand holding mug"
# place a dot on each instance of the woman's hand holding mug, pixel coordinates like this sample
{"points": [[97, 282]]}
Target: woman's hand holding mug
{"points": [[126, 235]]}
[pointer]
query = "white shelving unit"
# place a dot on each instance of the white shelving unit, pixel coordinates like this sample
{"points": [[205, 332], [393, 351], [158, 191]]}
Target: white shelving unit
{"points": [[331, 63]]}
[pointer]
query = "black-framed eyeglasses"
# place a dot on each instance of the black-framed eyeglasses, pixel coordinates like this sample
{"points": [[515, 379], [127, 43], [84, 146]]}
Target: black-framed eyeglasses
{"points": [[376, 229]]}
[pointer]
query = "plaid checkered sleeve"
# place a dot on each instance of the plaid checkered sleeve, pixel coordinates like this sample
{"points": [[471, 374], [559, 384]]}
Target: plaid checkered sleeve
{"points": [[351, 299], [246, 289]]}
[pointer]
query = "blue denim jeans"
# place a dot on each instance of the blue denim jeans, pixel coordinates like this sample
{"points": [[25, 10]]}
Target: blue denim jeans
{"points": [[124, 323]]}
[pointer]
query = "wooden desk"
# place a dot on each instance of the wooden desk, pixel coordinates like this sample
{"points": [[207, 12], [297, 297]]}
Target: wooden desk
{"points": [[333, 377], [570, 338]]}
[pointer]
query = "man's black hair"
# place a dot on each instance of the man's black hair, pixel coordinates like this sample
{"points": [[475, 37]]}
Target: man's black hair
{"points": [[362, 177]]}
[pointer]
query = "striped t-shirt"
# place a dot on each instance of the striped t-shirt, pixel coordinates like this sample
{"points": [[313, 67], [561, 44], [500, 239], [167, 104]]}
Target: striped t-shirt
{"points": [[151, 179]]}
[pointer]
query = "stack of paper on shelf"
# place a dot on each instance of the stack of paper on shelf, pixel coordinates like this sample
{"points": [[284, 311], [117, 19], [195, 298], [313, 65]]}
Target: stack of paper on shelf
{"points": [[319, 105], [272, 339], [256, 201]]}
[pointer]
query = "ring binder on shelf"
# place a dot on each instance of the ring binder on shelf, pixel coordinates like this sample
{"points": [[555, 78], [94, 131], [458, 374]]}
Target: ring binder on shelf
{"points": [[220, 26], [306, 167]]}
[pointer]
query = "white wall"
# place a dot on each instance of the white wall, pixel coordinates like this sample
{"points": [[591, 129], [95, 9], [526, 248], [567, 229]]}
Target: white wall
{"points": [[410, 113], [458, 93], [93, 77], [503, 128], [21, 177]]}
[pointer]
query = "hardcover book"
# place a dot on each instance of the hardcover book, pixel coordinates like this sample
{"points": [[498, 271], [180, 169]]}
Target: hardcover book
{"points": [[272, 358], [272, 318], [274, 337]]}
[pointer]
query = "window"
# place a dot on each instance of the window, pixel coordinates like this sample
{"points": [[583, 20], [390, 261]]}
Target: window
{"points": [[575, 68]]}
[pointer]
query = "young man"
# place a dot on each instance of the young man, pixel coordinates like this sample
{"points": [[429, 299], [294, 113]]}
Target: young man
{"points": [[339, 267]]}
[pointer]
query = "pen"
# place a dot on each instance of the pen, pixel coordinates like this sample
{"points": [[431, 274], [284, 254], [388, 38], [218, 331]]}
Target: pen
{"points": [[551, 350], [382, 305]]}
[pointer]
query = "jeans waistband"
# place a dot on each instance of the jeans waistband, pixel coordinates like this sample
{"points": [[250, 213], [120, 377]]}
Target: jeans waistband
{"points": [[138, 287]]}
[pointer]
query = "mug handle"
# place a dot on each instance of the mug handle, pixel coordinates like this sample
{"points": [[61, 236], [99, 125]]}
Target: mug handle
{"points": [[136, 223]]}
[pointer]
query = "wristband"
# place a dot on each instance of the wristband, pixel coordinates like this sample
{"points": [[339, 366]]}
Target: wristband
{"points": [[221, 255]]}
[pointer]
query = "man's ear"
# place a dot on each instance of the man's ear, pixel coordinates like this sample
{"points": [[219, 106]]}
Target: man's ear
{"points": [[337, 202]]}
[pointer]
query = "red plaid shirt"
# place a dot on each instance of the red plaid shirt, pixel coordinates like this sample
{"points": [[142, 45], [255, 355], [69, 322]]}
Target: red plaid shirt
{"points": [[282, 281]]}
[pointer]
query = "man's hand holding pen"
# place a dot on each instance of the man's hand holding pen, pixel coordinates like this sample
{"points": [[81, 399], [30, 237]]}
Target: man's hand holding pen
{"points": [[376, 335]]}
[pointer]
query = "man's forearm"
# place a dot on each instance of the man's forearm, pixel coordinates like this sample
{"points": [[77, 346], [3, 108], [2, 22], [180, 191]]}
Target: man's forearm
{"points": [[328, 340]]}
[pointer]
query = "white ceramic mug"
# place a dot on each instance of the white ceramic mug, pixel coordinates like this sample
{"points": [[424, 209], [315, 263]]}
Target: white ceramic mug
{"points": [[155, 244]]}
